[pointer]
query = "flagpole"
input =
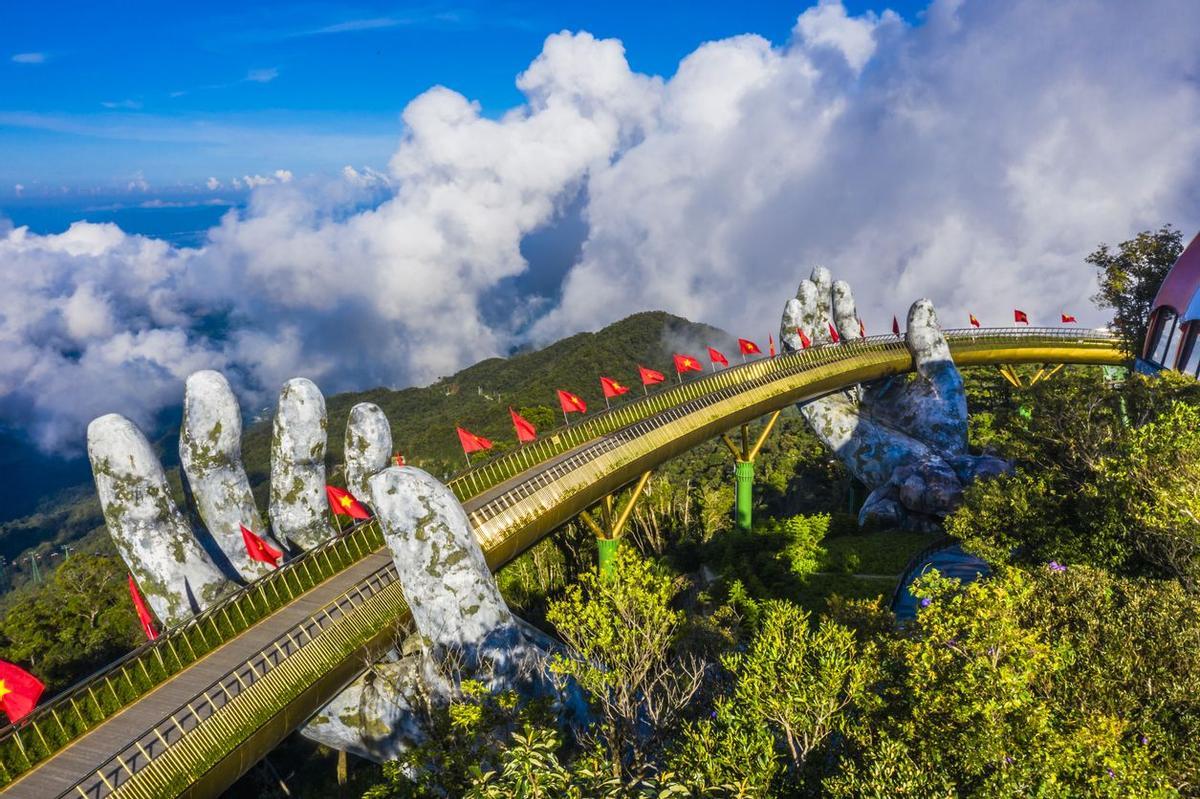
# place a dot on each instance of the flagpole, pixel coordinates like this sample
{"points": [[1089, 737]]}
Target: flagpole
{"points": [[566, 421], [467, 458], [645, 391], [679, 375], [607, 407]]}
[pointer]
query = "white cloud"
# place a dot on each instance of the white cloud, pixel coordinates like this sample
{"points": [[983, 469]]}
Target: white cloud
{"points": [[124, 105], [975, 158], [213, 184], [29, 58], [262, 75], [254, 181], [18, 189], [138, 183]]}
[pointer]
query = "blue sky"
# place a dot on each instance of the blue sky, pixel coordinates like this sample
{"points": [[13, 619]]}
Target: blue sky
{"points": [[106, 95]]}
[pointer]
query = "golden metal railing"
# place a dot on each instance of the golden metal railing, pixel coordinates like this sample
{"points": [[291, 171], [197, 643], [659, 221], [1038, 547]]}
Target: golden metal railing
{"points": [[513, 500]]}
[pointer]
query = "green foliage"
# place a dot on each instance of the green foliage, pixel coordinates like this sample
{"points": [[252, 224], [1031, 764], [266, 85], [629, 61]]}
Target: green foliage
{"points": [[1089, 487], [74, 623], [467, 737], [1154, 478], [794, 689], [774, 559], [986, 695], [623, 634], [1130, 277]]}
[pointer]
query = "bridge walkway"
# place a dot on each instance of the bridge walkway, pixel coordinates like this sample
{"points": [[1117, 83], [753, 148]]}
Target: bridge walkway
{"points": [[73, 772]]}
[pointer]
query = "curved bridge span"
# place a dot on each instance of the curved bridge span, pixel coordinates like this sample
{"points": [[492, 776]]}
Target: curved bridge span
{"points": [[187, 714]]}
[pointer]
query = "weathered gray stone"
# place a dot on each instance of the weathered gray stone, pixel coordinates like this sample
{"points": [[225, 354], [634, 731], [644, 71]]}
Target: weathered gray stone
{"points": [[455, 603], [210, 452], [904, 437], [174, 573], [464, 629], [368, 447], [378, 716], [299, 508]]}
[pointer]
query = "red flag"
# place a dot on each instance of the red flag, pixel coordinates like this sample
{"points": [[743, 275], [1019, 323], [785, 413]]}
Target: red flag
{"points": [[1068, 319], [343, 503], [686, 363], [771, 339], [471, 442], [398, 459], [748, 347], [862, 329], [571, 403], [1019, 316], [260, 550], [895, 326], [19, 691], [526, 432], [974, 321], [650, 377], [833, 334], [143, 613], [805, 341], [612, 388], [716, 356]]}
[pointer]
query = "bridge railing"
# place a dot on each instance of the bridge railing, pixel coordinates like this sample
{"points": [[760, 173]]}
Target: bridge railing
{"points": [[81, 707], [495, 471]]}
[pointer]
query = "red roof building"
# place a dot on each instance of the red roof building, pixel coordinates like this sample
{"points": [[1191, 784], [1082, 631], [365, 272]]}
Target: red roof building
{"points": [[1175, 318]]}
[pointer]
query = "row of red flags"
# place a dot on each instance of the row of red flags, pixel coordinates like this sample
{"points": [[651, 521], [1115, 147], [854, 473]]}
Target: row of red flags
{"points": [[573, 403]]}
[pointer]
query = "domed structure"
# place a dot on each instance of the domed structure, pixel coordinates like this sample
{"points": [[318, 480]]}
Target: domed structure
{"points": [[1175, 318]]}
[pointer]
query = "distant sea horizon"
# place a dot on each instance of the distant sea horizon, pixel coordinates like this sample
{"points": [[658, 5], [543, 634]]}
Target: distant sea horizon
{"points": [[182, 223]]}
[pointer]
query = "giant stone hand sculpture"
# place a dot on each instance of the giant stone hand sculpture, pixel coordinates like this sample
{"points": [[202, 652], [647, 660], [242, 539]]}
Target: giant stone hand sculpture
{"points": [[904, 437], [183, 568]]}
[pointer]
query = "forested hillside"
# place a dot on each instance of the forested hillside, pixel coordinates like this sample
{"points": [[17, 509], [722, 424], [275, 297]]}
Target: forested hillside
{"points": [[423, 419]]}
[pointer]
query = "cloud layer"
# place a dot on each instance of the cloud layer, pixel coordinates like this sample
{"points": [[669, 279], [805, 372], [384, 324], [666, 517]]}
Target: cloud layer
{"points": [[974, 158]]}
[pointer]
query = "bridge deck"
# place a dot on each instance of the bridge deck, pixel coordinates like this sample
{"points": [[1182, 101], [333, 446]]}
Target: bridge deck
{"points": [[77, 763]]}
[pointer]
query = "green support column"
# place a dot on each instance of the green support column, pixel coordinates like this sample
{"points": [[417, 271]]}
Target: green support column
{"points": [[743, 470], [744, 499], [608, 536], [606, 549]]}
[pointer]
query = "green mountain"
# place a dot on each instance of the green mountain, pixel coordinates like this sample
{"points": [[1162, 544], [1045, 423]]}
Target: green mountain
{"points": [[423, 419]]}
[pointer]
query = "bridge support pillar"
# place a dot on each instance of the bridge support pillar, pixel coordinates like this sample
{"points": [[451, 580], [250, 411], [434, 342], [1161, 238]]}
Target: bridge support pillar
{"points": [[611, 528], [743, 470], [743, 502]]}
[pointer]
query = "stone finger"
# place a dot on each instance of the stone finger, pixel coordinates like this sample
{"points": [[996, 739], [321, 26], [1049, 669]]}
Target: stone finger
{"points": [[946, 425], [814, 312], [791, 321], [173, 571], [368, 447], [210, 451], [845, 315], [298, 506], [456, 605]]}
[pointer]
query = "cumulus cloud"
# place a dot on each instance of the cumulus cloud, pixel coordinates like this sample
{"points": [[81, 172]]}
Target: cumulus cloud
{"points": [[213, 184], [974, 158]]}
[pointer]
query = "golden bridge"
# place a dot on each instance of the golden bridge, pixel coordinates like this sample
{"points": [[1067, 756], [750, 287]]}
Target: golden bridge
{"points": [[187, 714]]}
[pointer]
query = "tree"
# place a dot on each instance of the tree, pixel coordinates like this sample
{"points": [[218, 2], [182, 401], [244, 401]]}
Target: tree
{"points": [[1130, 277], [79, 620], [1155, 475], [622, 633], [795, 688], [982, 700]]}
